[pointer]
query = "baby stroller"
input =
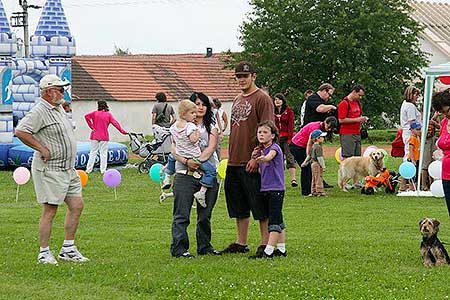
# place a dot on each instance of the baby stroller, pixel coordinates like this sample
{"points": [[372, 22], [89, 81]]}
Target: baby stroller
{"points": [[156, 151]]}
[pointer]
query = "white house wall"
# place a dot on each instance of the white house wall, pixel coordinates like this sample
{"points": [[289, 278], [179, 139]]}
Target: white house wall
{"points": [[134, 116], [437, 57]]}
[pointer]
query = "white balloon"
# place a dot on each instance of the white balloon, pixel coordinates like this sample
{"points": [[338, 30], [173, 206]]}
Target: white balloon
{"points": [[437, 189], [435, 169], [438, 154]]}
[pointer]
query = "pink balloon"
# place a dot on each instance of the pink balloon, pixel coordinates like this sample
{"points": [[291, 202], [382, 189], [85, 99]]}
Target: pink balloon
{"points": [[21, 175], [112, 178], [369, 150]]}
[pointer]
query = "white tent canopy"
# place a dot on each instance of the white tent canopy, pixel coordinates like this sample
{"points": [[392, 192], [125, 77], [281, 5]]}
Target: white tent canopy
{"points": [[431, 74]]}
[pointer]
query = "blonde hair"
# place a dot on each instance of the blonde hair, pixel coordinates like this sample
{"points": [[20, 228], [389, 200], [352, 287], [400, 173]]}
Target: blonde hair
{"points": [[186, 106]]}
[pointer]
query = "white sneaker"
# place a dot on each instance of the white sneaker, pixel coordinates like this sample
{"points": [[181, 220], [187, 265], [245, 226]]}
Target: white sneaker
{"points": [[348, 186], [71, 254], [200, 197], [47, 257], [165, 184]]}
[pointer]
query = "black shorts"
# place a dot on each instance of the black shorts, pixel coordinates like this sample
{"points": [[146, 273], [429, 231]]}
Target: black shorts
{"points": [[242, 193]]}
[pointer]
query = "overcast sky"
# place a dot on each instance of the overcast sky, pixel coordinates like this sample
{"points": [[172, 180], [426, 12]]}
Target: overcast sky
{"points": [[148, 26]]}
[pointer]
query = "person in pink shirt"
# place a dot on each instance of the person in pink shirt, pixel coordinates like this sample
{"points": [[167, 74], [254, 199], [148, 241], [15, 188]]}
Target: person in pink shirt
{"points": [[441, 104], [99, 121], [299, 146]]}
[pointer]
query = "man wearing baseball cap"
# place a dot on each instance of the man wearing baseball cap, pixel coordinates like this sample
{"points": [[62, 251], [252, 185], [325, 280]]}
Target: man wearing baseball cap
{"points": [[47, 130], [242, 180]]}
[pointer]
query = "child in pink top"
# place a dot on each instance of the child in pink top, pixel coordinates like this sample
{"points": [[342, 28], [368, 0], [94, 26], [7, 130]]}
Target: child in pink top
{"points": [[99, 121], [441, 103]]}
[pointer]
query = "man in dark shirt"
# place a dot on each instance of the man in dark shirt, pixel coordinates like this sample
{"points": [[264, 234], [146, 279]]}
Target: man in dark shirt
{"points": [[317, 108]]}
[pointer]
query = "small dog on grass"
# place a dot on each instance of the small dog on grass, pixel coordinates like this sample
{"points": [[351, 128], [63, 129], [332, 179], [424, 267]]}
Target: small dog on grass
{"points": [[432, 251]]}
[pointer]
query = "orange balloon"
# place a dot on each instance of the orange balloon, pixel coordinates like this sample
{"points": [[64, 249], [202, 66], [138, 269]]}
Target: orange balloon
{"points": [[83, 177]]}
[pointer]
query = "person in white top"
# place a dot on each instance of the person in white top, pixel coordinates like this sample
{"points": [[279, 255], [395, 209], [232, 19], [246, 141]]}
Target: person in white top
{"points": [[222, 122], [186, 135], [408, 114]]}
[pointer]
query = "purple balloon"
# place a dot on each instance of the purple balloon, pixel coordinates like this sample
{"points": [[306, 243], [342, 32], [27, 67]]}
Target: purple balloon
{"points": [[112, 178]]}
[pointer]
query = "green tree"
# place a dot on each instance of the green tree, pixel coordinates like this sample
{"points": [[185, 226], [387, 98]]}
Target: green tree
{"points": [[299, 44], [120, 52]]}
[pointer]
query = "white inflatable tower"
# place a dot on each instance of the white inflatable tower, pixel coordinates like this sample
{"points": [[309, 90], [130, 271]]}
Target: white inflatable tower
{"points": [[8, 50]]}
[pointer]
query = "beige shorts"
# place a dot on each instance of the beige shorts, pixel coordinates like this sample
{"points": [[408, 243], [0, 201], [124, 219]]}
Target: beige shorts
{"points": [[53, 187]]}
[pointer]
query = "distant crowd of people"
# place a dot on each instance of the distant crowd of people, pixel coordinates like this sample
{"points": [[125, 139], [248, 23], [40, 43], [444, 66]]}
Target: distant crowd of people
{"points": [[262, 143]]}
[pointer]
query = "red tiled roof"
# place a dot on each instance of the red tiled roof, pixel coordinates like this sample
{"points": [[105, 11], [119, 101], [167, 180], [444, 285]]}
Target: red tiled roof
{"points": [[140, 77]]}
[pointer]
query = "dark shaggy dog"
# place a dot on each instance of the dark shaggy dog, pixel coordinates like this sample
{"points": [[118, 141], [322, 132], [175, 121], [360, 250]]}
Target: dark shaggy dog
{"points": [[432, 251]]}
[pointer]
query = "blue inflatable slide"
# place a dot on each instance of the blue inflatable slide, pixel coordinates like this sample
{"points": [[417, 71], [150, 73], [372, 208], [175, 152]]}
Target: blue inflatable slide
{"points": [[16, 154]]}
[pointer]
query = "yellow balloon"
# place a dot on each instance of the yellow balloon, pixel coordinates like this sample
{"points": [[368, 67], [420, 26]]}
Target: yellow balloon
{"points": [[222, 168], [337, 155]]}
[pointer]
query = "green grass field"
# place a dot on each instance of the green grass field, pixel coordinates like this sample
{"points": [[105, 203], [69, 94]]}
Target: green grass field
{"points": [[344, 246]]}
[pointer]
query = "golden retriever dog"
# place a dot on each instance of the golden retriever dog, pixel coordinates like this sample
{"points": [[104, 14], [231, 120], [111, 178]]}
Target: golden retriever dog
{"points": [[360, 167]]}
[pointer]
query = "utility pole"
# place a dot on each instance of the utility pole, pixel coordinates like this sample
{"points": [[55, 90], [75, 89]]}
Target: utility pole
{"points": [[20, 19]]}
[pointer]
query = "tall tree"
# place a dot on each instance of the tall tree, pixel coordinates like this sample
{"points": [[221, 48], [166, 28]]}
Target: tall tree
{"points": [[120, 52], [299, 44]]}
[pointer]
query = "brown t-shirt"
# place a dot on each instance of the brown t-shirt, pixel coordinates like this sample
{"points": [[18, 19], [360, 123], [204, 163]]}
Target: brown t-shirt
{"points": [[247, 111]]}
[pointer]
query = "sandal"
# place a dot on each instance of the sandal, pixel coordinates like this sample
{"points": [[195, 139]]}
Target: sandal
{"points": [[294, 183]]}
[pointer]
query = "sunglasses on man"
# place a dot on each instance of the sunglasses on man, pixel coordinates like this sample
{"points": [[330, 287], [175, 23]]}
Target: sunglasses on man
{"points": [[239, 76], [59, 89]]}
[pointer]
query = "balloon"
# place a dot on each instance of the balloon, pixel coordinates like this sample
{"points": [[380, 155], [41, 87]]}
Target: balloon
{"points": [[222, 168], [112, 178], [407, 170], [338, 155], [438, 154], [83, 177], [444, 79], [21, 175], [386, 155], [437, 189], [154, 171], [435, 169], [369, 150]]}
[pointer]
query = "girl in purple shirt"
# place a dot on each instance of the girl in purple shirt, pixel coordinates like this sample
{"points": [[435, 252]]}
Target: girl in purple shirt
{"points": [[271, 166]]}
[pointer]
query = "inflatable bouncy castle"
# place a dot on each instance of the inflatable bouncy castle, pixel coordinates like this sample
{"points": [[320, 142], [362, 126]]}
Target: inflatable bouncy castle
{"points": [[51, 49]]}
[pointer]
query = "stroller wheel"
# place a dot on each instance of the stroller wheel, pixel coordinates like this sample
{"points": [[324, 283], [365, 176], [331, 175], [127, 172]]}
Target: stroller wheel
{"points": [[144, 167]]}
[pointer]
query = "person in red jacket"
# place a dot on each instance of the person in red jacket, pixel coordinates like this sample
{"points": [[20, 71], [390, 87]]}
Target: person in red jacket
{"points": [[284, 120]]}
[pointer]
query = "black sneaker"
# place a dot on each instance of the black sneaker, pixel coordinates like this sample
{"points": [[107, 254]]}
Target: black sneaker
{"points": [[327, 186], [186, 255], [236, 248], [260, 250], [279, 253], [262, 255], [211, 252], [294, 183]]}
